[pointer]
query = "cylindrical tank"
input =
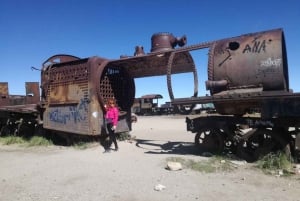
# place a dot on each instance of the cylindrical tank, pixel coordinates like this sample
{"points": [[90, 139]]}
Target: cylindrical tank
{"points": [[252, 62]]}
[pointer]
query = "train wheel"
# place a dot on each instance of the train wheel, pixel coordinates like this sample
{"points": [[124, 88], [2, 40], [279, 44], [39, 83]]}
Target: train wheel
{"points": [[39, 130], [25, 131], [210, 140], [260, 142], [5, 131]]}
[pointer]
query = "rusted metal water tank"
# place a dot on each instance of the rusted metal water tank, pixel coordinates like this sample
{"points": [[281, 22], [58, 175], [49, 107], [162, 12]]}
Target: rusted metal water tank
{"points": [[255, 60], [245, 65]]}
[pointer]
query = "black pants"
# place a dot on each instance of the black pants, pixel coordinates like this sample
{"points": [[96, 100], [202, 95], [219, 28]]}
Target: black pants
{"points": [[112, 136]]}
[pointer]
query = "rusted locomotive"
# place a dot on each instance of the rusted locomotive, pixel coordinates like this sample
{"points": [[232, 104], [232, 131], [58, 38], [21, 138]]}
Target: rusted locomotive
{"points": [[146, 104], [74, 92], [249, 85], [248, 81]]}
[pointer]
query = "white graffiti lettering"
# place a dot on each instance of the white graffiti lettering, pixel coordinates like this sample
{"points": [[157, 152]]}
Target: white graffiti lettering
{"points": [[269, 62]]}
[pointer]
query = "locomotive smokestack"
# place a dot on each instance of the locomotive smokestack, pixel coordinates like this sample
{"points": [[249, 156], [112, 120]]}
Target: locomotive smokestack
{"points": [[166, 41], [139, 50]]}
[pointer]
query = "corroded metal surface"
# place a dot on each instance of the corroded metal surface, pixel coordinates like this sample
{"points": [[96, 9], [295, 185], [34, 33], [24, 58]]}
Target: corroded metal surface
{"points": [[4, 99], [252, 60], [59, 78], [66, 96], [75, 93], [166, 41], [248, 75], [246, 65], [25, 109], [59, 58], [19, 113], [243, 66], [32, 95], [32, 92], [154, 64]]}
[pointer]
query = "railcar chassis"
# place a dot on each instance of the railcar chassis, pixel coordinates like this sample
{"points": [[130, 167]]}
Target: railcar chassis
{"points": [[274, 126]]}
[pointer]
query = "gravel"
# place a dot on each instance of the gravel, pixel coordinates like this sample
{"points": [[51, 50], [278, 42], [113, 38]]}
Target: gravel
{"points": [[137, 172]]}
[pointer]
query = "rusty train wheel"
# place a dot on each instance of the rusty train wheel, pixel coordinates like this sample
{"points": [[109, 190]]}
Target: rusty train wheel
{"points": [[5, 131], [210, 140], [260, 143]]}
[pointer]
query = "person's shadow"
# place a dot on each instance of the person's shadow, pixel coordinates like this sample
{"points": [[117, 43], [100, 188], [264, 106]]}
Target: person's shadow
{"points": [[159, 147]]}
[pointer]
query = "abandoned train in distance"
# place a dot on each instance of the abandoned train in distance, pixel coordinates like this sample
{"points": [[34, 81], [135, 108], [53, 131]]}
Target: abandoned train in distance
{"points": [[245, 73]]}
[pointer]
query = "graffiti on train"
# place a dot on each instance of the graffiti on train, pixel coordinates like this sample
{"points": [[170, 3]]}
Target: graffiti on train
{"points": [[74, 114]]}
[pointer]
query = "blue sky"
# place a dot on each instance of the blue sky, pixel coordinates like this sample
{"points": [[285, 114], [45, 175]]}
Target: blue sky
{"points": [[34, 30]]}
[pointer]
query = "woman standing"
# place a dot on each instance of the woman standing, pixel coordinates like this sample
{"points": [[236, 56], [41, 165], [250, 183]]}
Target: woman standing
{"points": [[111, 120]]}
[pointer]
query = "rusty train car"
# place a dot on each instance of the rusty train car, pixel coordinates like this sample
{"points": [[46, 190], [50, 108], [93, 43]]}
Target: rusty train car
{"points": [[18, 113], [146, 105], [248, 82]]}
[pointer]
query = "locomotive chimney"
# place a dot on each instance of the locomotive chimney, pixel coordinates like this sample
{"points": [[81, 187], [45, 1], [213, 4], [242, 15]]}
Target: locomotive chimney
{"points": [[166, 41], [139, 51]]}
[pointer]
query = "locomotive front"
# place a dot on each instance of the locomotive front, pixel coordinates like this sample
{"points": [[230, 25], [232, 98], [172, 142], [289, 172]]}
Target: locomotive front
{"points": [[75, 90]]}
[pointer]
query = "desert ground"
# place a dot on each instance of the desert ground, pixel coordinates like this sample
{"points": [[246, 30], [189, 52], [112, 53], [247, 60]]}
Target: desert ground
{"points": [[58, 173]]}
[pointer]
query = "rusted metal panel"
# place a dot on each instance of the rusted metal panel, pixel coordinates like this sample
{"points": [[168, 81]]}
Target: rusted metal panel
{"points": [[270, 103], [155, 64], [68, 118], [4, 99], [60, 58], [27, 108], [32, 92], [67, 97], [17, 100], [32, 95], [63, 82]]}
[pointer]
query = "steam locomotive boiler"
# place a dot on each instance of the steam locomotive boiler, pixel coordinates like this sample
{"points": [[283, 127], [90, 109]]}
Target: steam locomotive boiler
{"points": [[74, 92]]}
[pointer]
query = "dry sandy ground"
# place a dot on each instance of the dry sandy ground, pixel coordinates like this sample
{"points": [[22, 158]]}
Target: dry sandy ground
{"points": [[66, 174]]}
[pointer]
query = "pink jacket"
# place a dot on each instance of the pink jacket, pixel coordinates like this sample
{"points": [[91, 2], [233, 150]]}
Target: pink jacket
{"points": [[113, 115]]}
